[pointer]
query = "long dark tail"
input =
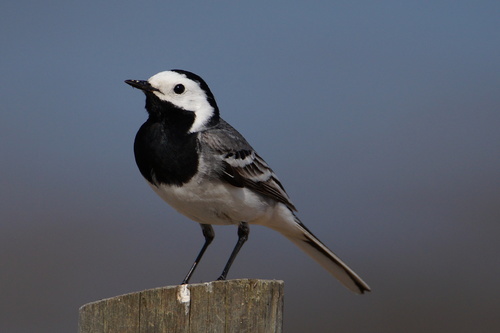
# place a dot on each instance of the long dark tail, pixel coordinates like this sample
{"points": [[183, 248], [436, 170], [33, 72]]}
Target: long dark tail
{"points": [[311, 245]]}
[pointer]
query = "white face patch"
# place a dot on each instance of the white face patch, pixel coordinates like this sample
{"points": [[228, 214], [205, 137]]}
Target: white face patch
{"points": [[192, 98]]}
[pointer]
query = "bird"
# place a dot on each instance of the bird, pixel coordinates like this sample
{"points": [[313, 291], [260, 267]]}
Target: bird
{"points": [[206, 170]]}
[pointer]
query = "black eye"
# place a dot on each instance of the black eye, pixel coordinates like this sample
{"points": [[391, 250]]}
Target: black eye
{"points": [[179, 89]]}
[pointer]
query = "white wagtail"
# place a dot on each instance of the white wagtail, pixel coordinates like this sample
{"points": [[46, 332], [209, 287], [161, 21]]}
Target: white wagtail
{"points": [[206, 170]]}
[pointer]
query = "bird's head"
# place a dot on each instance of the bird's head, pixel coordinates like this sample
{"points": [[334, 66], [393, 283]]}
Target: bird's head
{"points": [[177, 89]]}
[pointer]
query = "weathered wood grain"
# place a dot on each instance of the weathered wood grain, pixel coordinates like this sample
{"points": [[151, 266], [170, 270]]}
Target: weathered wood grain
{"points": [[244, 305]]}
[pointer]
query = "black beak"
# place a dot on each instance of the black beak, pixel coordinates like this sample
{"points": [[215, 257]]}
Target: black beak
{"points": [[142, 85]]}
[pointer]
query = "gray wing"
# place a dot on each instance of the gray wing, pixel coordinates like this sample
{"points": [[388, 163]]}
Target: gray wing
{"points": [[241, 165]]}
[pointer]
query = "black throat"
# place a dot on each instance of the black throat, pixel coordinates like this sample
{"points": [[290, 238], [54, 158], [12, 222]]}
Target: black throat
{"points": [[164, 150]]}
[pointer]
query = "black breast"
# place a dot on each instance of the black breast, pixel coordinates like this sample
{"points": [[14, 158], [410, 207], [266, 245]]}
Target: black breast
{"points": [[164, 155]]}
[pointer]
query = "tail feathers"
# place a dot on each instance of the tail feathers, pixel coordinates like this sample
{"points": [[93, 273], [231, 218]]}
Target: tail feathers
{"points": [[311, 245]]}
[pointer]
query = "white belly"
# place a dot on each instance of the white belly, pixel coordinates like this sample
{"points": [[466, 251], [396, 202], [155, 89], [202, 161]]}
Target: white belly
{"points": [[217, 203]]}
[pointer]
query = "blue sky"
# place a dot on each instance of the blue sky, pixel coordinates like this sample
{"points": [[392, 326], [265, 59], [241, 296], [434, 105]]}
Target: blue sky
{"points": [[381, 120]]}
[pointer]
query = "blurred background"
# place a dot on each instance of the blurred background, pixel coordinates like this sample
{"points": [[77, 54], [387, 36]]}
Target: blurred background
{"points": [[381, 120]]}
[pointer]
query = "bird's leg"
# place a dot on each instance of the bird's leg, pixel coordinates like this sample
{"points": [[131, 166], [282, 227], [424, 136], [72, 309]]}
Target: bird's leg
{"points": [[243, 231], [208, 233]]}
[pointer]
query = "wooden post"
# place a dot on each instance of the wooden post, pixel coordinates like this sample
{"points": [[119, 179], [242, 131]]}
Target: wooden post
{"points": [[245, 305]]}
